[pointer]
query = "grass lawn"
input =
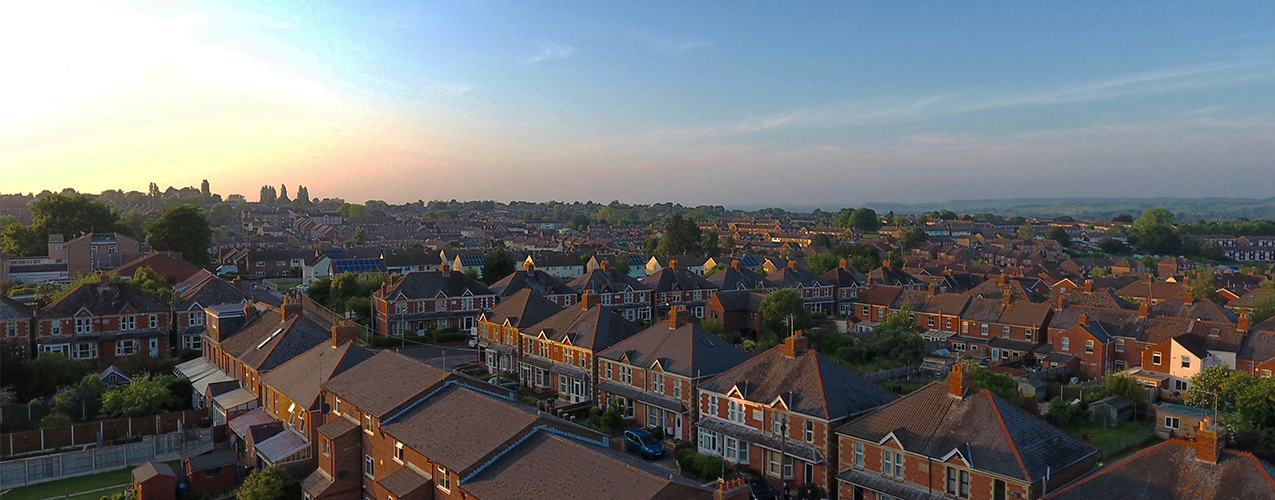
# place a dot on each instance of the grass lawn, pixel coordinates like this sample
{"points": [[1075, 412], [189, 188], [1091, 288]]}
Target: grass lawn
{"points": [[70, 487], [287, 285], [1113, 441]]}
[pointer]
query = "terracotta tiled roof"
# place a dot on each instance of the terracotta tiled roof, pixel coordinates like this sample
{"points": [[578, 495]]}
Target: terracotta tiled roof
{"points": [[809, 383], [1170, 471]]}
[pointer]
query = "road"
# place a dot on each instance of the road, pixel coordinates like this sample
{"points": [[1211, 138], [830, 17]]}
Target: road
{"points": [[448, 357]]}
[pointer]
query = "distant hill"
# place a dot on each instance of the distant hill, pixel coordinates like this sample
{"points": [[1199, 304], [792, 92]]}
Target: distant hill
{"points": [[1187, 209]]}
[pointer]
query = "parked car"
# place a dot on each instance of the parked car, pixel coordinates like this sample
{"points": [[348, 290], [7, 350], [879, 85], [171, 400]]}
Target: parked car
{"points": [[759, 489], [643, 443]]}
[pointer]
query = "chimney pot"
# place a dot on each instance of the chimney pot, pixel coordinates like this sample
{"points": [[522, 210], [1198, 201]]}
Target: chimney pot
{"points": [[734, 264], [587, 299], [1088, 286], [672, 264], [603, 264], [1082, 319], [529, 267], [796, 344], [844, 264], [1209, 440], [960, 380], [1188, 297], [792, 264], [1242, 325], [1144, 310]]}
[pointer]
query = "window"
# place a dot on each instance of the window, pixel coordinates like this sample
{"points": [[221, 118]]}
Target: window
{"points": [[858, 454], [929, 320], [736, 450], [325, 447], [677, 389], [1066, 344], [1172, 422], [707, 441], [369, 466], [657, 383], [544, 349], [1155, 358], [83, 325], [965, 327], [197, 318], [57, 327], [626, 374], [965, 484], [443, 480], [152, 321], [735, 411], [891, 463], [779, 425], [126, 347], [1179, 385], [1186, 361], [1005, 331], [609, 376], [193, 342], [984, 329], [11, 330], [367, 423], [128, 323], [951, 481], [1266, 373], [85, 350], [1119, 345], [1027, 334], [336, 406], [1088, 347], [398, 451], [810, 431], [712, 405]]}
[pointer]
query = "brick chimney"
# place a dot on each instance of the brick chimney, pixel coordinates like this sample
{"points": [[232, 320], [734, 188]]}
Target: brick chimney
{"points": [[103, 280], [291, 308], [1082, 319], [446, 269], [1188, 298], [603, 264], [249, 311], [1060, 301], [1088, 286], [344, 330], [796, 345], [672, 264], [1001, 279], [1242, 325], [732, 489], [886, 263], [960, 380], [734, 264], [844, 264], [678, 316], [529, 267], [934, 289], [588, 299], [237, 283], [1007, 297], [1209, 440], [792, 264]]}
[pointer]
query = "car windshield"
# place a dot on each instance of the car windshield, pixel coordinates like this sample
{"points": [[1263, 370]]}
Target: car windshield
{"points": [[646, 439], [761, 487]]}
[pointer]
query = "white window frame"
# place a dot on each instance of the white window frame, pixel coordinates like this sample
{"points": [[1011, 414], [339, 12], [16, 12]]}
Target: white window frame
{"points": [[1172, 422], [369, 466], [443, 480], [858, 454], [84, 350], [398, 451], [83, 325], [128, 323], [126, 347]]}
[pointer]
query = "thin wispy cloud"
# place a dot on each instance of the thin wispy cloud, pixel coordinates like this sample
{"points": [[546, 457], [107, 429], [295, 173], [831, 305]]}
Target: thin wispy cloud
{"points": [[672, 47], [549, 51]]}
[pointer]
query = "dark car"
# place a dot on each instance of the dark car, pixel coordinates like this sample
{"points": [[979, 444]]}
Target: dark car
{"points": [[643, 443], [759, 489]]}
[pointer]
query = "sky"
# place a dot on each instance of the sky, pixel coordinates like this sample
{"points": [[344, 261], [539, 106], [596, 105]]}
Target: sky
{"points": [[724, 103]]}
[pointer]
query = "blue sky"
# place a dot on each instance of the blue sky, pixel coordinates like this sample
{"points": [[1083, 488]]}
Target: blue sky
{"points": [[835, 103]]}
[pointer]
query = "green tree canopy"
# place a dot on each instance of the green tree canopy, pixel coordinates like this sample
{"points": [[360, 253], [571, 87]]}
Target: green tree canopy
{"points": [[222, 214], [497, 265], [913, 238], [681, 236], [146, 395], [1113, 246], [776, 309], [1025, 232], [1204, 285], [711, 244], [152, 283], [182, 228], [46, 373], [271, 483], [1060, 235], [70, 215]]}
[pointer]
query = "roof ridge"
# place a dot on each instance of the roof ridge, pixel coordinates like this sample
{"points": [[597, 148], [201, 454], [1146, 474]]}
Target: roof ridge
{"points": [[1260, 468], [823, 397], [1012, 445]]}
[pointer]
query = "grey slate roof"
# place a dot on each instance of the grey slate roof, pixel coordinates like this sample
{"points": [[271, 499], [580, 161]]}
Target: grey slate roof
{"points": [[606, 281], [428, 284], [1170, 471], [688, 350], [668, 279], [809, 383], [301, 377], [536, 280], [267, 342], [595, 329], [523, 309], [739, 279], [103, 301], [13, 310]]}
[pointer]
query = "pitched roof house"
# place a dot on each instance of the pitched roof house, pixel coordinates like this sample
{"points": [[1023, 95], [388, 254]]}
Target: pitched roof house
{"points": [[499, 328], [559, 353], [422, 300], [104, 320], [617, 290]]}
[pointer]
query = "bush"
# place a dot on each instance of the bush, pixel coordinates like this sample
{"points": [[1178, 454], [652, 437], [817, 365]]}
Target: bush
{"points": [[446, 336], [657, 432], [700, 466], [612, 418], [1063, 414], [817, 315]]}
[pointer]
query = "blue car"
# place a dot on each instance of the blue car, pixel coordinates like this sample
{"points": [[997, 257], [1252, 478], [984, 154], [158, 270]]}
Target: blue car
{"points": [[643, 443]]}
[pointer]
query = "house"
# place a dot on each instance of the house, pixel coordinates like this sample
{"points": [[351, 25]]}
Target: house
{"points": [[692, 263], [541, 282], [1152, 292], [893, 276], [1179, 421], [778, 411], [1179, 470], [15, 320], [616, 290], [104, 321], [557, 264], [409, 261], [499, 328], [113, 376], [559, 353], [423, 300], [847, 283], [738, 277], [738, 311], [1123, 329], [154, 481], [78, 253], [652, 375], [193, 296], [815, 291], [674, 285], [1183, 348], [956, 440], [173, 270], [210, 473]]}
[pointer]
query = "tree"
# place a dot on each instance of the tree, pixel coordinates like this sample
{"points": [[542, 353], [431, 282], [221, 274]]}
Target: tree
{"points": [[1025, 232], [204, 189], [46, 373], [1155, 217], [1113, 246], [712, 326], [651, 245], [1204, 285], [283, 195], [222, 214], [776, 309], [358, 238], [1122, 218], [913, 238], [1263, 304], [822, 262], [70, 215], [497, 265], [271, 483], [1152, 266], [83, 398], [268, 195], [471, 273], [681, 236], [997, 383], [153, 284], [1124, 386], [1060, 235], [1064, 414], [182, 228], [146, 395], [13, 363], [947, 215], [303, 195], [1215, 386], [711, 244]]}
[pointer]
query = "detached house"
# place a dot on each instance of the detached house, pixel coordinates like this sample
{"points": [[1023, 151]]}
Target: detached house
{"points": [[777, 413], [951, 440], [500, 328], [560, 353], [104, 320], [200, 292], [674, 285], [652, 375], [422, 300], [616, 290]]}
